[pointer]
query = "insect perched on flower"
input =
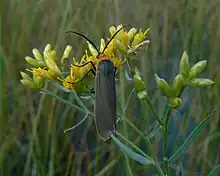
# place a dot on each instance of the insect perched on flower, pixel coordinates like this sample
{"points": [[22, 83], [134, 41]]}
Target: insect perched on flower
{"points": [[105, 94]]}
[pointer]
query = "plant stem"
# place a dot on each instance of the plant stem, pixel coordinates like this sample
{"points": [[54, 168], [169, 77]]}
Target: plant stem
{"points": [[152, 154], [166, 123], [154, 112], [149, 103]]}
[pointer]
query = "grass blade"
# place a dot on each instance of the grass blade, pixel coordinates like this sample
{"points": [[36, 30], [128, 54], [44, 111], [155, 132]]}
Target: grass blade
{"points": [[128, 152], [65, 101], [72, 128], [191, 138]]}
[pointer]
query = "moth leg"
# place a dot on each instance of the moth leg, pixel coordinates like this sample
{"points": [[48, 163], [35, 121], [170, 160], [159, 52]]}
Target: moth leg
{"points": [[91, 70], [92, 91], [115, 70]]}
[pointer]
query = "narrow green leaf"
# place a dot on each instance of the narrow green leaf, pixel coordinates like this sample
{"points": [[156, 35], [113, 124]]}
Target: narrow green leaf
{"points": [[154, 131], [75, 126], [191, 138], [128, 152], [132, 145], [65, 101], [128, 101], [215, 171]]}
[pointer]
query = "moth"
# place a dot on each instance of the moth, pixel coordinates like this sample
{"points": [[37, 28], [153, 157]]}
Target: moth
{"points": [[105, 91]]}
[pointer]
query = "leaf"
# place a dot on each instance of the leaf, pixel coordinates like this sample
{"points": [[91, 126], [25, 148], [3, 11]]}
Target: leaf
{"points": [[191, 138], [75, 126], [62, 100], [215, 171], [128, 101], [127, 76], [128, 152], [154, 131]]}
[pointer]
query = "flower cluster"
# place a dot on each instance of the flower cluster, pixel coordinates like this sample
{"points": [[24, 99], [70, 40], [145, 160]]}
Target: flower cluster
{"points": [[47, 66], [123, 44], [187, 77]]}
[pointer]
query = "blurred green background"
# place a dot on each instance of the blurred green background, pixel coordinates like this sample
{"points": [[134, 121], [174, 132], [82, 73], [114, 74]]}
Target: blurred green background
{"points": [[32, 141]]}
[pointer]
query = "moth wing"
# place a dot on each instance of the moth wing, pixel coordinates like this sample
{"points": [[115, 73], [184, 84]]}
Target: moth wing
{"points": [[105, 103]]}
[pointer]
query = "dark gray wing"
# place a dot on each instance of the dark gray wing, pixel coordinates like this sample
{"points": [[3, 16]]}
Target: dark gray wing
{"points": [[105, 99]]}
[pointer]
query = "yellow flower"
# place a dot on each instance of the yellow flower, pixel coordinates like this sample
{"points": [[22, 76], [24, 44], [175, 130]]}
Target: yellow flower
{"points": [[72, 82], [37, 82], [109, 51], [42, 73], [50, 60], [123, 37], [117, 62], [128, 42], [68, 80]]}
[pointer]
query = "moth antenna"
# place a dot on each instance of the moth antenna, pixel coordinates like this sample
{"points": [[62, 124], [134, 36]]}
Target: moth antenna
{"points": [[113, 37], [85, 38]]}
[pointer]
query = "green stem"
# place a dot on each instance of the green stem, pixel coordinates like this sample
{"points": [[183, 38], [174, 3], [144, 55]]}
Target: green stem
{"points": [[151, 151], [35, 122], [81, 109], [145, 113], [123, 104], [147, 139], [166, 123], [150, 105], [152, 154]]}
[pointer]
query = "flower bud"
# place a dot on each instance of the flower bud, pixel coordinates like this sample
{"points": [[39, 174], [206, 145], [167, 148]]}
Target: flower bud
{"points": [[138, 83], [131, 33], [39, 81], [29, 83], [37, 55], [25, 76], [67, 51], [53, 55], [93, 51], [31, 61], [138, 38], [175, 102], [121, 47], [34, 62], [184, 64], [102, 45], [201, 82], [119, 26], [164, 87], [66, 54], [124, 39], [178, 84], [197, 68], [112, 30], [52, 66], [47, 48]]}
